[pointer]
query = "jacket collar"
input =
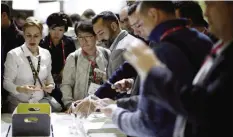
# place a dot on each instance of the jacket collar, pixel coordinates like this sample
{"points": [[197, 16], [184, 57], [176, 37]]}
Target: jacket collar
{"points": [[27, 52], [159, 30]]}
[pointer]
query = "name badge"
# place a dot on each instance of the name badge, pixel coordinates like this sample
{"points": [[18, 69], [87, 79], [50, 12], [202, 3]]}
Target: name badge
{"points": [[92, 88]]}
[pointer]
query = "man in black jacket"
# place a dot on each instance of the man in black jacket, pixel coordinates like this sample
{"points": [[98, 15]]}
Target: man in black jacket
{"points": [[10, 39], [206, 103]]}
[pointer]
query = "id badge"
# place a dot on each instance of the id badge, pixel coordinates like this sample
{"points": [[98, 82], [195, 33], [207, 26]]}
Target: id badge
{"points": [[92, 88]]}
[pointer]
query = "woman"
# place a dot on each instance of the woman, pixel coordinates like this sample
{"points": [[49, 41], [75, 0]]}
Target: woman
{"points": [[84, 67], [59, 46], [23, 63]]}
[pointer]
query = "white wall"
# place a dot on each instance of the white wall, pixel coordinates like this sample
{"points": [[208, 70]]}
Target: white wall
{"points": [[78, 6], [43, 10]]}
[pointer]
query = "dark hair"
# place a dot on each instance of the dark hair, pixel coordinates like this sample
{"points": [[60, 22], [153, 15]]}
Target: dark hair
{"points": [[75, 18], [166, 6], [192, 10], [106, 16], [130, 2], [132, 8], [59, 19], [88, 13], [21, 15], [84, 26], [118, 16], [5, 8]]}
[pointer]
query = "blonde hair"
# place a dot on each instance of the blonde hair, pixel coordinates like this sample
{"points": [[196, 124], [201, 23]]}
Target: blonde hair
{"points": [[32, 21]]}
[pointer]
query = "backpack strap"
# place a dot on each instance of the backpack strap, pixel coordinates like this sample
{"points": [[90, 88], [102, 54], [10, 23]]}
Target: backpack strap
{"points": [[75, 60], [106, 55]]}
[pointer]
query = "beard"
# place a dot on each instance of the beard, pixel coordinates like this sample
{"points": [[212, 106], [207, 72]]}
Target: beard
{"points": [[112, 37]]}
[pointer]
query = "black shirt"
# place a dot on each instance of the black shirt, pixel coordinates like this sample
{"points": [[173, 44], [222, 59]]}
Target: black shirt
{"points": [[57, 51]]}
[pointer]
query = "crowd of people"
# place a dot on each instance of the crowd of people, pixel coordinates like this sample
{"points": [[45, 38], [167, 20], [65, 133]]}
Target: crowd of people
{"points": [[156, 68]]}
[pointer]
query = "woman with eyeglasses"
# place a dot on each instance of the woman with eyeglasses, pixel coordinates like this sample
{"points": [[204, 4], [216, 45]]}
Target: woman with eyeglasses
{"points": [[59, 46], [85, 68]]}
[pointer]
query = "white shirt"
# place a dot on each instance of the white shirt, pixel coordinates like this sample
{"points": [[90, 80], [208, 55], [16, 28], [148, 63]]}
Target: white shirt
{"points": [[18, 72]]}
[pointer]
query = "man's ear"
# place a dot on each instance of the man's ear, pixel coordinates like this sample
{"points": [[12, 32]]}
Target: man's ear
{"points": [[114, 26], [153, 13]]}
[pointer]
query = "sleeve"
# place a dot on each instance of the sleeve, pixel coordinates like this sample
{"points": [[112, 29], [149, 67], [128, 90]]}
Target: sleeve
{"points": [[10, 73], [125, 71], [49, 79], [68, 80], [139, 124], [128, 103]]}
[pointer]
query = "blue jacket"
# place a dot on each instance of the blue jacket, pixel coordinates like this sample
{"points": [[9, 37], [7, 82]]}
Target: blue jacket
{"points": [[182, 51], [207, 104]]}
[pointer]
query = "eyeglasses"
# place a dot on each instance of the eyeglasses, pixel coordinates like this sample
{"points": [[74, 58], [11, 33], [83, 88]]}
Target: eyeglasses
{"points": [[87, 38]]}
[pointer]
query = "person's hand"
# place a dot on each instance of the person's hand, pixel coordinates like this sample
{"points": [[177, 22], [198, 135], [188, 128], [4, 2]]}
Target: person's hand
{"points": [[27, 88], [85, 107], [123, 85], [108, 110], [48, 88], [104, 102], [73, 104], [142, 57]]}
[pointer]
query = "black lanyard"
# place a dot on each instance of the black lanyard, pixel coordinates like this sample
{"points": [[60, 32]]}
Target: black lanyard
{"points": [[35, 72]]}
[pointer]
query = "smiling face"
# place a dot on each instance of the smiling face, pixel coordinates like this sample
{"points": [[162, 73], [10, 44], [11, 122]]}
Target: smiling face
{"points": [[104, 32]]}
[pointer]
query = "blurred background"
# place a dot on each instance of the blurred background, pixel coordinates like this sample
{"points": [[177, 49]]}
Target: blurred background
{"points": [[41, 8]]}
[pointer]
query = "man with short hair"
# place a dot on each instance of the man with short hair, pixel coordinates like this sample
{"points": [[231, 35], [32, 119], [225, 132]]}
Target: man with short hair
{"points": [[181, 49], [207, 102], [123, 15], [192, 11]]}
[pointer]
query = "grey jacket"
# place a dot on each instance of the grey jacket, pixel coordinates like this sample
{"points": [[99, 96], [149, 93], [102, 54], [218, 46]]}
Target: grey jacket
{"points": [[117, 48], [75, 78]]}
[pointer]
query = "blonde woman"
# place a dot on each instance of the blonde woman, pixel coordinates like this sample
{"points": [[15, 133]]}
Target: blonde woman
{"points": [[22, 66]]}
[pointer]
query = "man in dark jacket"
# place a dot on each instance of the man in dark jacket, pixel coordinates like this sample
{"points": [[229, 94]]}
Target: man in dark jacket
{"points": [[181, 49], [10, 37], [206, 103]]}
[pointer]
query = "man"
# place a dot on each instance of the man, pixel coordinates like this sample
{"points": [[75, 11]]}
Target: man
{"points": [[20, 20], [10, 37], [192, 11], [106, 26], [182, 50], [208, 101], [123, 15]]}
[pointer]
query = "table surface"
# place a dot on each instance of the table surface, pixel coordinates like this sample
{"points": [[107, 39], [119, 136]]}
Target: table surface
{"points": [[96, 125]]}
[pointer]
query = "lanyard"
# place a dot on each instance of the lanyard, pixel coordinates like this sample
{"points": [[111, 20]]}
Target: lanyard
{"points": [[170, 31], [63, 50], [35, 72], [93, 64], [213, 52]]}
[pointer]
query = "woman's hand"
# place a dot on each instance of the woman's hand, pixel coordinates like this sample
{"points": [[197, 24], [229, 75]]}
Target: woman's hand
{"points": [[26, 88], [48, 88]]}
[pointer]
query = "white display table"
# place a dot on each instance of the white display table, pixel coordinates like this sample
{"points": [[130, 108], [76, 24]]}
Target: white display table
{"points": [[96, 125]]}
